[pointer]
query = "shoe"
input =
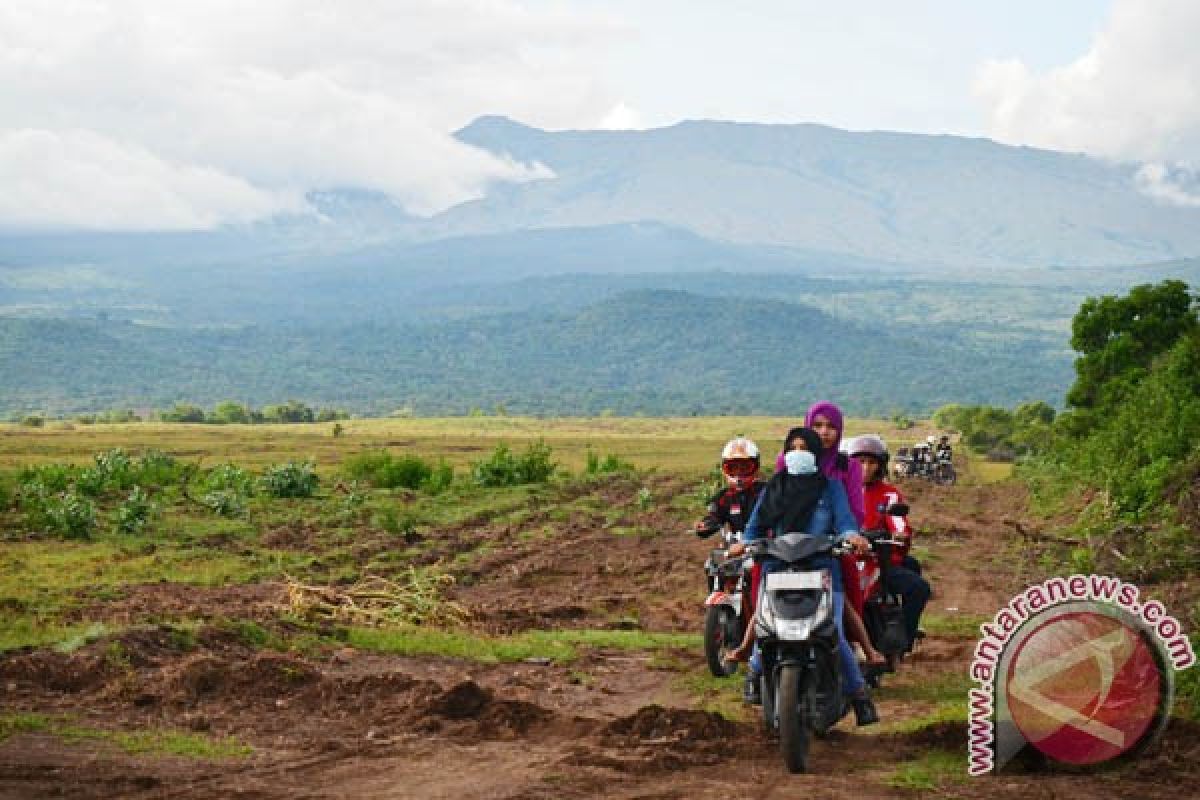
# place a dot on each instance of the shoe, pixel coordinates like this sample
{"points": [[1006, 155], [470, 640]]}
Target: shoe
{"points": [[864, 709], [752, 691]]}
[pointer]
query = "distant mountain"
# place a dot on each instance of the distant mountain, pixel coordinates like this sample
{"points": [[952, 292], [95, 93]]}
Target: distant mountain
{"points": [[793, 193], [650, 351], [912, 198]]}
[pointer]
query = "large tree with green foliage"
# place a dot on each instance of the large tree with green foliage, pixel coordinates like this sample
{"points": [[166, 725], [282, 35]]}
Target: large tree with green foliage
{"points": [[1119, 337]]}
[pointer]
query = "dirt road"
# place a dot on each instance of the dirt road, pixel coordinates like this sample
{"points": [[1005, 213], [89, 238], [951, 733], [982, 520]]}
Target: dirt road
{"points": [[616, 723]]}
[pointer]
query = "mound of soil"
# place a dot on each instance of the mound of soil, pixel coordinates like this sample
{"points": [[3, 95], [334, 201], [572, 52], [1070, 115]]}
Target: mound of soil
{"points": [[658, 723], [265, 676], [58, 672]]}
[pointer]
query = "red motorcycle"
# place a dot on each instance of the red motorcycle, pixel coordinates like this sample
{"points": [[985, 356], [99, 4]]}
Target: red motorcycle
{"points": [[881, 610], [724, 608]]}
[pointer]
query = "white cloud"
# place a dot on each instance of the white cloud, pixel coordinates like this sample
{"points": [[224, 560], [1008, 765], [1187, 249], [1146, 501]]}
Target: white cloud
{"points": [[1134, 95], [136, 114], [1170, 185], [80, 179], [622, 118]]}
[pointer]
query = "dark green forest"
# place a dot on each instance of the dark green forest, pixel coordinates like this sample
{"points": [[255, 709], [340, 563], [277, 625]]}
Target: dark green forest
{"points": [[642, 351]]}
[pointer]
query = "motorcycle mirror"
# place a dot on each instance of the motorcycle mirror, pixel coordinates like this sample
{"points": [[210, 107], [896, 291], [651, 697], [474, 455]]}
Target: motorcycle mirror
{"points": [[897, 510]]}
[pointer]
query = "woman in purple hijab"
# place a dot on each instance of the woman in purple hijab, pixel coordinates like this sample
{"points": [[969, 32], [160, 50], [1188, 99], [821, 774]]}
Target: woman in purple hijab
{"points": [[826, 419]]}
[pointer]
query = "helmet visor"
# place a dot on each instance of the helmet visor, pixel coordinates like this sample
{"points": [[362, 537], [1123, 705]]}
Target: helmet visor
{"points": [[739, 467]]}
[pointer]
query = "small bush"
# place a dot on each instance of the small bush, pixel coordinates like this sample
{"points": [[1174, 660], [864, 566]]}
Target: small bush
{"points": [[382, 470], [292, 479], [396, 523], [71, 516], [440, 478], [33, 421], [229, 478], [156, 468], [136, 512], [224, 502], [52, 478], [504, 468], [609, 464]]}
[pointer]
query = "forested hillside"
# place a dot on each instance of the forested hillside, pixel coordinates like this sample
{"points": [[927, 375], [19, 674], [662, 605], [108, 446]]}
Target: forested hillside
{"points": [[647, 351]]}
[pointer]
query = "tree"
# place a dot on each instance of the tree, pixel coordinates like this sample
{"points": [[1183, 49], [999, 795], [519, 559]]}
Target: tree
{"points": [[1118, 337], [231, 413], [291, 411], [183, 412]]}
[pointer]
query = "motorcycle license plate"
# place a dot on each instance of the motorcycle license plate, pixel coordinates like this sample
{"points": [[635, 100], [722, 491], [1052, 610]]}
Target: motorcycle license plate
{"points": [[794, 580]]}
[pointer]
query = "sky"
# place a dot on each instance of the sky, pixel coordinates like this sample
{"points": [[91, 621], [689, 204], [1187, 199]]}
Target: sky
{"points": [[161, 114]]}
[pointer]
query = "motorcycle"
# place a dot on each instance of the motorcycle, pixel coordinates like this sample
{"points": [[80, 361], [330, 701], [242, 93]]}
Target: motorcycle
{"points": [[797, 637], [724, 613], [943, 469], [921, 462], [881, 610]]}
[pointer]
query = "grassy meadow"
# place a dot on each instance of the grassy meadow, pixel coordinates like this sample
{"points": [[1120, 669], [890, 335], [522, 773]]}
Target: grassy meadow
{"points": [[54, 588], [666, 443]]}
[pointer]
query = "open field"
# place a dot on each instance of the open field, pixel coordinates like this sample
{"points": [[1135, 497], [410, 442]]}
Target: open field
{"points": [[682, 443], [536, 641]]}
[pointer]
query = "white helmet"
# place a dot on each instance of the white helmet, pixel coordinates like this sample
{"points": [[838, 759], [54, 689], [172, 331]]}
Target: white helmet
{"points": [[931, 438], [741, 447], [740, 462]]}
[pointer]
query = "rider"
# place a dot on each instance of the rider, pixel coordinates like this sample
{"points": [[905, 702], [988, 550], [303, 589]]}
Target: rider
{"points": [[802, 497], [944, 453], [903, 573], [732, 505]]}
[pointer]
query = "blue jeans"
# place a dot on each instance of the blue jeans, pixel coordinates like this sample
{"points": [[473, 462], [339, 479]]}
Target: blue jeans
{"points": [[852, 678]]}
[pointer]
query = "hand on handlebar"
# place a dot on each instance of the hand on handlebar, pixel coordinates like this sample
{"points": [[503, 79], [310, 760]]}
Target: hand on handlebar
{"points": [[858, 543], [736, 549]]}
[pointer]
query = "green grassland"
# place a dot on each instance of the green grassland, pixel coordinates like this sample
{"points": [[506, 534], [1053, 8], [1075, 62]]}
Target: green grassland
{"points": [[51, 586], [671, 444]]}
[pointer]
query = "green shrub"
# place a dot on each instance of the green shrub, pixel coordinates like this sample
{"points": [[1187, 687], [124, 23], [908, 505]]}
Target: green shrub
{"points": [[292, 479], [440, 478], [609, 464], [33, 421], [136, 512], [396, 523], [382, 470], [52, 478], [156, 468], [229, 478], [224, 502], [71, 516], [504, 468]]}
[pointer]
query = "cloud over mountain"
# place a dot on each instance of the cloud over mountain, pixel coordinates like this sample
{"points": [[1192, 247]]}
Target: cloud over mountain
{"points": [[1134, 95], [131, 114]]}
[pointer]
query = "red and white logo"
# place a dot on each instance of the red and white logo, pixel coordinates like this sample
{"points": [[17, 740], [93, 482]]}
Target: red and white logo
{"points": [[1084, 687]]}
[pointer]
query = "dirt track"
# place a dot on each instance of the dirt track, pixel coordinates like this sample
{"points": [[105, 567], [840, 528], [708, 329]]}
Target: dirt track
{"points": [[615, 724]]}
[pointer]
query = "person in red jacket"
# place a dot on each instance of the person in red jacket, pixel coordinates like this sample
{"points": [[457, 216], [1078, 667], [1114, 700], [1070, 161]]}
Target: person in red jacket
{"points": [[903, 574]]}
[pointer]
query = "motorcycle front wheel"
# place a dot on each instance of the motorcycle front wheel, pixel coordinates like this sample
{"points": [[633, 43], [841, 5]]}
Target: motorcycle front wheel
{"points": [[767, 688], [722, 633], [793, 722]]}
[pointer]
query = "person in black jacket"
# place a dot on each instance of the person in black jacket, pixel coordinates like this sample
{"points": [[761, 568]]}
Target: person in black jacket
{"points": [[731, 506]]}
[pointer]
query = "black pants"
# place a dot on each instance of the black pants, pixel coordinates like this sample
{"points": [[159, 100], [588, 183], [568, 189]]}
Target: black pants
{"points": [[915, 591]]}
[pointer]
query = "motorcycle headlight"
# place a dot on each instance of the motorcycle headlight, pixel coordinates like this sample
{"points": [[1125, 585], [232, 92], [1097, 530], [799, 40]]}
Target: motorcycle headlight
{"points": [[796, 629]]}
